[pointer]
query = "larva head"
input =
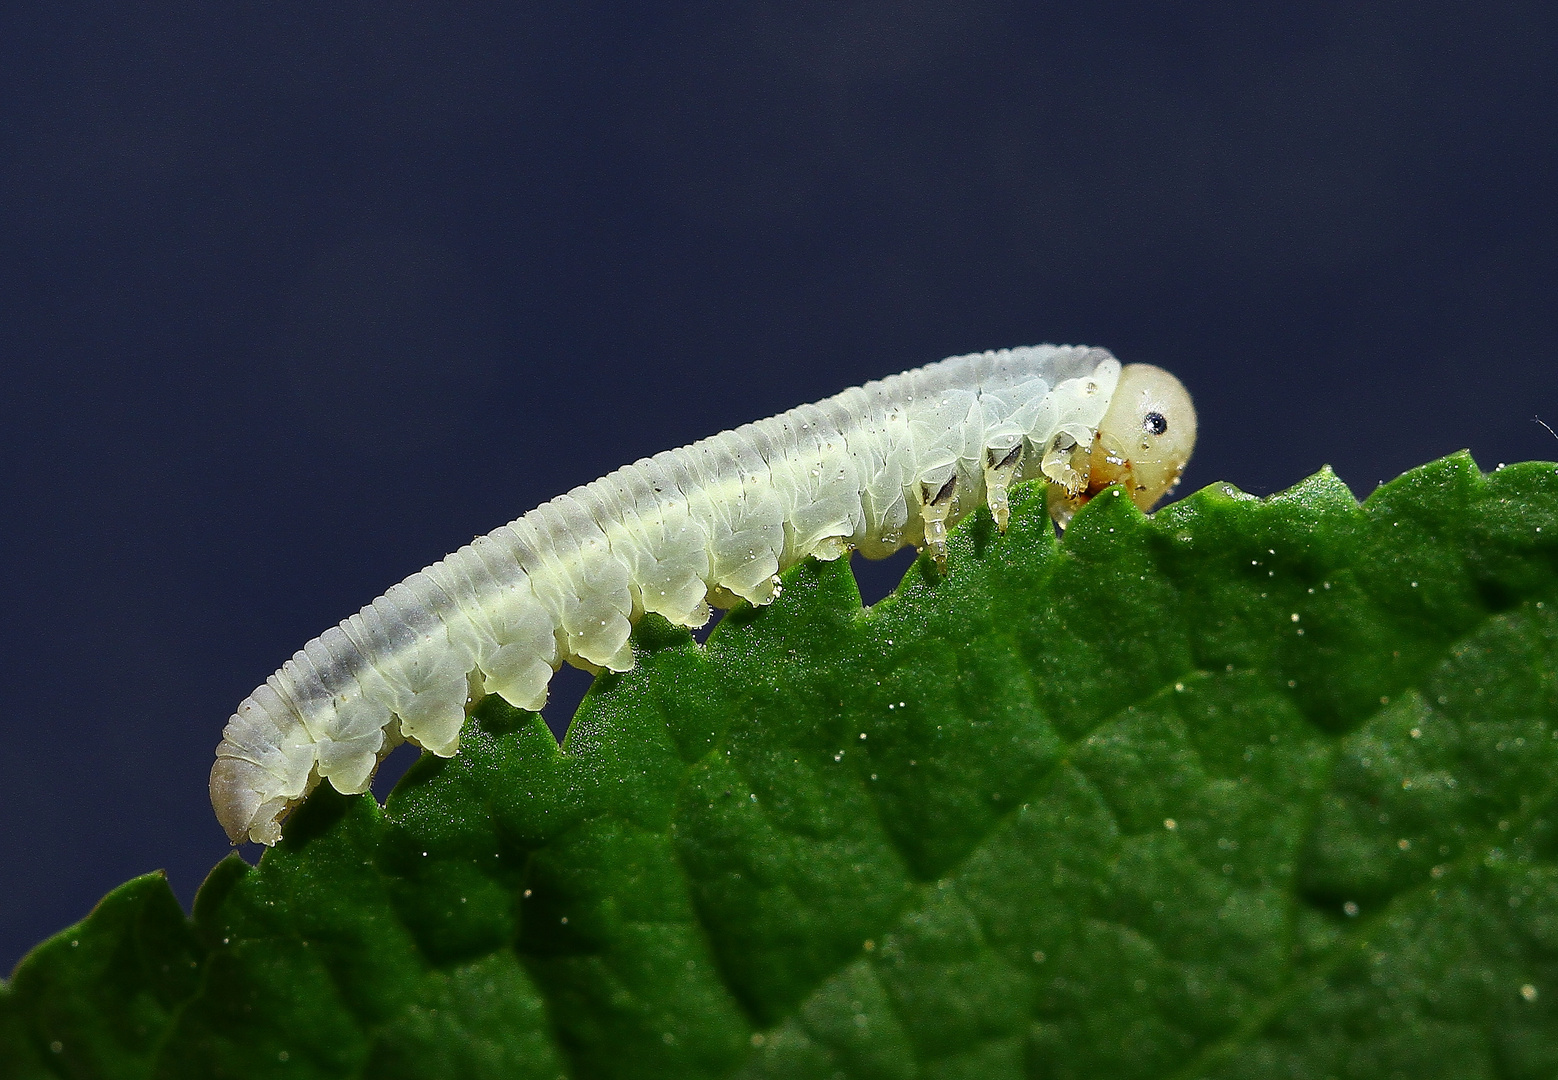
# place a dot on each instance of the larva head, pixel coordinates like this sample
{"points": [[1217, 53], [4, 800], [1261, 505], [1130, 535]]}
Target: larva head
{"points": [[1146, 436]]}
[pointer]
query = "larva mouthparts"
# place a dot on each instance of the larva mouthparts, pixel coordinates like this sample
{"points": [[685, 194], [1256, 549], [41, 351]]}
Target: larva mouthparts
{"points": [[894, 462]]}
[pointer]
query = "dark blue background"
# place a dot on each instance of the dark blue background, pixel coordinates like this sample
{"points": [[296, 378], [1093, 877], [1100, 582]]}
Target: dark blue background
{"points": [[295, 296]]}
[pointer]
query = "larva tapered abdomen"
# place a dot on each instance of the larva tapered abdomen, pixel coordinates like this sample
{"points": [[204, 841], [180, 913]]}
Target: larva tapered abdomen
{"points": [[890, 463]]}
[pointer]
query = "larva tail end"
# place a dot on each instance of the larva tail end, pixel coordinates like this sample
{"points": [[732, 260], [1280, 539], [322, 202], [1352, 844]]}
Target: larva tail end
{"points": [[243, 812]]}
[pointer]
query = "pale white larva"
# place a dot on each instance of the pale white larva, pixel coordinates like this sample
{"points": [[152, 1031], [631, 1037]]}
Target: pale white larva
{"points": [[879, 466]]}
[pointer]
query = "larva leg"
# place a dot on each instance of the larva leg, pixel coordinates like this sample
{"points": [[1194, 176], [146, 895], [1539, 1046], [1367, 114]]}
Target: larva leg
{"points": [[1066, 462], [938, 504], [1063, 505], [1001, 466]]}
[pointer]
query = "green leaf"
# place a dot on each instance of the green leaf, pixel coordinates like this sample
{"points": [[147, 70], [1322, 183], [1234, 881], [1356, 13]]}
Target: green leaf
{"points": [[1252, 788]]}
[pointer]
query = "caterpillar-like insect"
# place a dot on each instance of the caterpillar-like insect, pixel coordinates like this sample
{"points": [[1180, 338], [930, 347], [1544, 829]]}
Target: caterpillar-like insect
{"points": [[890, 463]]}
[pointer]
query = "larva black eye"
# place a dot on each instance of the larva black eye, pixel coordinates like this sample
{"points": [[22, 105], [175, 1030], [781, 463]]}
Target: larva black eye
{"points": [[1154, 423]]}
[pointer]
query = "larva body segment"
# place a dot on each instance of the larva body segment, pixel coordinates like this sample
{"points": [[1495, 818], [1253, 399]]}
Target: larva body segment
{"points": [[894, 462]]}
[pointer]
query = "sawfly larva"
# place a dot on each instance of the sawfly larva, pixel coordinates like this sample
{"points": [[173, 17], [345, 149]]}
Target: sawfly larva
{"points": [[893, 462]]}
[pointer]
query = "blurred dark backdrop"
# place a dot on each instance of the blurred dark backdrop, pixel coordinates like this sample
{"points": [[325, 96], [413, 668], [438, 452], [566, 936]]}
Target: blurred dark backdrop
{"points": [[296, 297]]}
